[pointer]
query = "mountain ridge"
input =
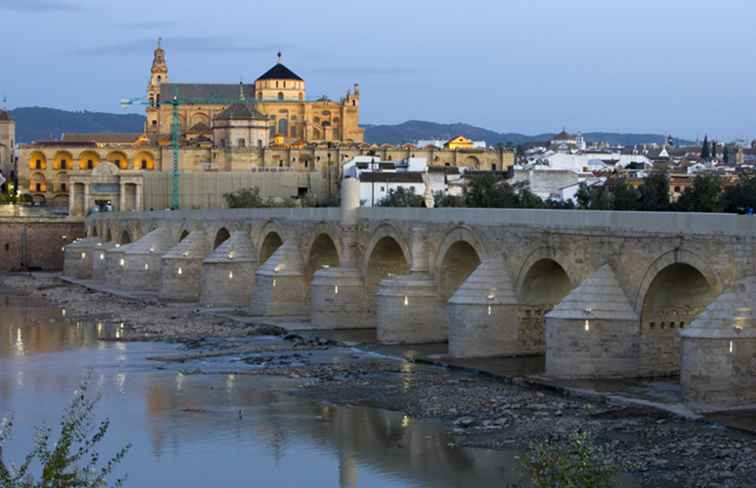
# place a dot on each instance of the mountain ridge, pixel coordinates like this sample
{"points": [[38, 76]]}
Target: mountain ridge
{"points": [[44, 123]]}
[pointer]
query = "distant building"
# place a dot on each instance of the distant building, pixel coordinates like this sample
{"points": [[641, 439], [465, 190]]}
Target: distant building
{"points": [[459, 142], [7, 149], [379, 178]]}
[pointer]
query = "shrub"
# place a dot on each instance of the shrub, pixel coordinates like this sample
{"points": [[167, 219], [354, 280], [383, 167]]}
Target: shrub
{"points": [[576, 463], [72, 460]]}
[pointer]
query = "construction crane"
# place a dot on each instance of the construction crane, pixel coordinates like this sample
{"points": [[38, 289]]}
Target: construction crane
{"points": [[175, 102]]}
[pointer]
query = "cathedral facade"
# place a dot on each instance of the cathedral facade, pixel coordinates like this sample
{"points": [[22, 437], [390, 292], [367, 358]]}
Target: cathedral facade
{"points": [[279, 94]]}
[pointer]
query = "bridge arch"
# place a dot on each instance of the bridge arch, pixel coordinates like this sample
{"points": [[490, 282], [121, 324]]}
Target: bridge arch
{"points": [[676, 288], [387, 254], [271, 237], [220, 237], [108, 233], [125, 237], [461, 252], [322, 252]]}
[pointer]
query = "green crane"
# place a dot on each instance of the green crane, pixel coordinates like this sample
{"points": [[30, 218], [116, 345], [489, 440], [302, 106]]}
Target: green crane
{"points": [[175, 102]]}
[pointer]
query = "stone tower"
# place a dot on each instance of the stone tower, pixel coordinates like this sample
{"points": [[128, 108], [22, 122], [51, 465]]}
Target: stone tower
{"points": [[7, 148], [158, 76]]}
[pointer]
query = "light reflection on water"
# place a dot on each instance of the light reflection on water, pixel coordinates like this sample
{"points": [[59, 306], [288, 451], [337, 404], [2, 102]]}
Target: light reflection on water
{"points": [[224, 430]]}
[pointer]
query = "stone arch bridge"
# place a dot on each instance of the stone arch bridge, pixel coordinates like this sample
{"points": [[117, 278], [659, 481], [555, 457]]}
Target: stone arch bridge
{"points": [[602, 294]]}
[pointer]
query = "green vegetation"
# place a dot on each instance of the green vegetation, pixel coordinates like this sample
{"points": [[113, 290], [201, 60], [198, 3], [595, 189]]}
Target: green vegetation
{"points": [[401, 197], [250, 198], [573, 463], [71, 461]]}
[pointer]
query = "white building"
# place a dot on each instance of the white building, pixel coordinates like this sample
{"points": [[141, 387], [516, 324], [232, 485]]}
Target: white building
{"points": [[440, 143], [378, 178]]}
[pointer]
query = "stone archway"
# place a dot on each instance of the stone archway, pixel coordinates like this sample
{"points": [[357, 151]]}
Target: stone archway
{"points": [[270, 243], [323, 253], [220, 237], [457, 264], [544, 284], [673, 298], [386, 258]]}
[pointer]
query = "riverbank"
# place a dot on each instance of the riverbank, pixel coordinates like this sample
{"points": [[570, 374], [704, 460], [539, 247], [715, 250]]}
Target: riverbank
{"points": [[660, 449]]}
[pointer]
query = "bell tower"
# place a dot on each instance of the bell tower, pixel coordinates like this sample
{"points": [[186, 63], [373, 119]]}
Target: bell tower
{"points": [[158, 76]]}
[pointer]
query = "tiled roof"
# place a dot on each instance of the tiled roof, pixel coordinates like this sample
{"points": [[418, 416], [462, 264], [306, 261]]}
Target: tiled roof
{"points": [[211, 93], [403, 177], [279, 72], [241, 111], [101, 137]]}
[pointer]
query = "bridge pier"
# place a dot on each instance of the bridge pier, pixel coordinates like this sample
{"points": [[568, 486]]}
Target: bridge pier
{"points": [[181, 268], [593, 332], [483, 314], [408, 308], [100, 260], [280, 285], [228, 273], [115, 264], [142, 270], [77, 258], [718, 370]]}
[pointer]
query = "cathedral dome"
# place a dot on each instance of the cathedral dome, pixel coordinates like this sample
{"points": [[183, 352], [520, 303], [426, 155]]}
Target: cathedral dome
{"points": [[279, 72]]}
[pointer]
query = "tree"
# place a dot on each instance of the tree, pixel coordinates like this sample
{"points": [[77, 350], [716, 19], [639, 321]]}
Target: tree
{"points": [[245, 198], [702, 195], [705, 153], [442, 199], [654, 192], [741, 196], [625, 197], [401, 197], [583, 196], [488, 191], [70, 461]]}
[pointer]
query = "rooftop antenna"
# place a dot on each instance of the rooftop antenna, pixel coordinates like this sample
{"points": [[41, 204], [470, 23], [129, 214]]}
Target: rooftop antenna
{"points": [[280, 58], [241, 89]]}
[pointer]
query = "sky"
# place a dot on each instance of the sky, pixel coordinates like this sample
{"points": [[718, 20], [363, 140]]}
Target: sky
{"points": [[685, 67]]}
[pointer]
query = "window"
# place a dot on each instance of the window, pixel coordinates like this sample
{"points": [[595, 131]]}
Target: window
{"points": [[222, 143], [63, 164], [63, 187], [154, 123], [117, 162], [383, 188], [677, 189], [160, 78], [280, 95], [144, 164], [39, 187], [38, 164], [283, 127], [242, 142], [280, 164], [493, 167], [276, 84], [90, 164], [307, 164]]}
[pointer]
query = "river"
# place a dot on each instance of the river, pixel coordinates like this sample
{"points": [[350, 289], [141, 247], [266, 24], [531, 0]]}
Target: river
{"points": [[227, 430]]}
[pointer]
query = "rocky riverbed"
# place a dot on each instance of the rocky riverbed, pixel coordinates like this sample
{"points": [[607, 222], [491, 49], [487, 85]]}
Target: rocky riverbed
{"points": [[657, 449]]}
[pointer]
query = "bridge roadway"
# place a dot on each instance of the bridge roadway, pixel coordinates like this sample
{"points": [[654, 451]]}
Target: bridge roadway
{"points": [[601, 294]]}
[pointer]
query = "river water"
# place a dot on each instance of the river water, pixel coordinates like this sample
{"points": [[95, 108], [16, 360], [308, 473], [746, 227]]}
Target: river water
{"points": [[199, 430]]}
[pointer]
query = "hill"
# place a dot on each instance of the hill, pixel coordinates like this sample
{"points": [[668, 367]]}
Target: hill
{"points": [[40, 123], [414, 130]]}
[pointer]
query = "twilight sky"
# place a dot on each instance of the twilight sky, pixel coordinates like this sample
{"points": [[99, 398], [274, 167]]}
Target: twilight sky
{"points": [[685, 66]]}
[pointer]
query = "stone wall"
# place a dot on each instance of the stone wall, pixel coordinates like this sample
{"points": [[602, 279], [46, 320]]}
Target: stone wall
{"points": [[36, 243]]}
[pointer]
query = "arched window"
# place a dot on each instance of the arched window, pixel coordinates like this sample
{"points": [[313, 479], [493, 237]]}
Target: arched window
{"points": [[280, 95], [144, 164], [301, 96], [160, 78]]}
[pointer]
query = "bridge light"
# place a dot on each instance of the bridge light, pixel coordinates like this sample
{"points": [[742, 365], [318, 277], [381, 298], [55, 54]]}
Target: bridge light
{"points": [[491, 295], [99, 244], [406, 300], [102, 256], [63, 236], [146, 266], [117, 245], [326, 266], [152, 249], [122, 262], [83, 255], [732, 346], [274, 283], [231, 255], [63, 312], [490, 310], [277, 268], [186, 253], [336, 289], [230, 275], [587, 325], [180, 271]]}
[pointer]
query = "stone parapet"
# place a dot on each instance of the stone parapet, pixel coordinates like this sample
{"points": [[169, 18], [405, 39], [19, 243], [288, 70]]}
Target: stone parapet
{"points": [[115, 264], [100, 261], [143, 260]]}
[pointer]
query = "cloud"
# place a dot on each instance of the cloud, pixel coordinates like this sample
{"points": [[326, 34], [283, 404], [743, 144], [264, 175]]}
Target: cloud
{"points": [[178, 43], [37, 6]]}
